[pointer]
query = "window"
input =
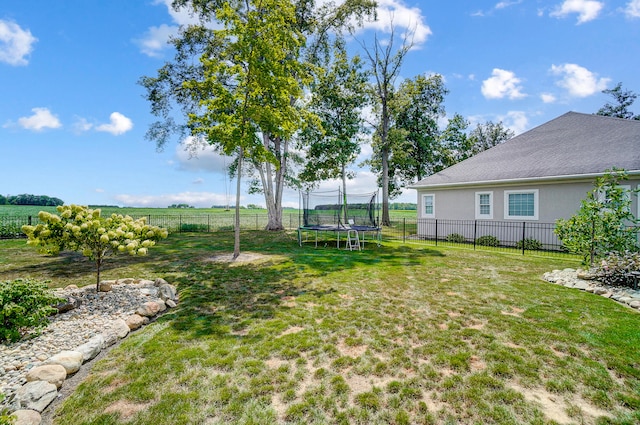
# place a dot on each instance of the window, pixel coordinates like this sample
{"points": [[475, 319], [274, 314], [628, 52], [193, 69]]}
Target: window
{"points": [[521, 205], [429, 205], [484, 205]]}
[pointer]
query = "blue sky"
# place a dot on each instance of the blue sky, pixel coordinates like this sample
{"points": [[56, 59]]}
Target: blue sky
{"points": [[73, 118]]}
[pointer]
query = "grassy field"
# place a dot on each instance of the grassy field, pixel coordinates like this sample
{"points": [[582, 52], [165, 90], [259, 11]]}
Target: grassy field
{"points": [[390, 335]]}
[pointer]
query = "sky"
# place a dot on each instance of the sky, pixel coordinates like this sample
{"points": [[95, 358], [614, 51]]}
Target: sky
{"points": [[73, 117]]}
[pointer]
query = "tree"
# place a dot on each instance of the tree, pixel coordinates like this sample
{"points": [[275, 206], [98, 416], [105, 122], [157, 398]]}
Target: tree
{"points": [[603, 224], [417, 107], [333, 141], [454, 142], [486, 136], [81, 229], [242, 95], [624, 99], [385, 61]]}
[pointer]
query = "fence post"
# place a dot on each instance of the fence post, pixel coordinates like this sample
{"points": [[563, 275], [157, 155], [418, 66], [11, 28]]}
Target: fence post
{"points": [[180, 223], [436, 232], [524, 224], [404, 230], [475, 232], [29, 221], [256, 221], [208, 223]]}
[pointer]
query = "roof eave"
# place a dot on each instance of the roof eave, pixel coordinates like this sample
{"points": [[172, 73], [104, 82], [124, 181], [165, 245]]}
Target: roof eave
{"points": [[522, 180]]}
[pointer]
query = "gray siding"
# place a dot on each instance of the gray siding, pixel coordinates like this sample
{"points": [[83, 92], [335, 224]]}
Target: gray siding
{"points": [[559, 200]]}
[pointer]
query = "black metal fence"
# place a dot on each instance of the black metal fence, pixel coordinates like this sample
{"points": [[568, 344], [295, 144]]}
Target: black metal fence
{"points": [[478, 234], [522, 237]]}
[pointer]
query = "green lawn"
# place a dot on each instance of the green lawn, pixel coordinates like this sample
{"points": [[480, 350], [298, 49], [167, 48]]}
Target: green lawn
{"points": [[391, 335]]}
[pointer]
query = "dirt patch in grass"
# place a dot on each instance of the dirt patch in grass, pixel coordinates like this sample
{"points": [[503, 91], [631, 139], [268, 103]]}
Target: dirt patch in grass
{"points": [[243, 258], [557, 408], [291, 330], [515, 312], [351, 350], [126, 409]]}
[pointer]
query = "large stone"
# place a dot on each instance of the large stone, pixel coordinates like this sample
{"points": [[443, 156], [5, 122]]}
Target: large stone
{"points": [[120, 328], [148, 309], [599, 290], [581, 285], [167, 292], [105, 286], [136, 321], [52, 373], [160, 281], [70, 360], [170, 303], [36, 395], [586, 275], [162, 305], [91, 348], [68, 304], [126, 281], [635, 304], [26, 417]]}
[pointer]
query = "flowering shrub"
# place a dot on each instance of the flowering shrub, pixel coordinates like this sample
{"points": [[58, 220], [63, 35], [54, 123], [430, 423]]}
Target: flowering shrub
{"points": [[456, 238], [616, 268], [24, 304], [81, 229]]}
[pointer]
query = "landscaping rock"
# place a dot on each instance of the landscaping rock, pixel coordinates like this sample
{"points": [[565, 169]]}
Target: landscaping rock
{"points": [[170, 303], [136, 321], [70, 360], [53, 373], [105, 286], [36, 395], [70, 303], [167, 292], [635, 304], [126, 281], [581, 285], [26, 417], [148, 309], [121, 328], [160, 281], [91, 348]]}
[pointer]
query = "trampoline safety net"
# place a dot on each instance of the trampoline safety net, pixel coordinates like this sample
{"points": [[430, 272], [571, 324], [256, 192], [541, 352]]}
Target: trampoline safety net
{"points": [[335, 209]]}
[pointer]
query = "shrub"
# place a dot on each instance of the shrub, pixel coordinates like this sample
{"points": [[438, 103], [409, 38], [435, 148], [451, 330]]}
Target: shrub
{"points": [[10, 230], [187, 227], [614, 269], [488, 240], [456, 238], [530, 244], [81, 229], [24, 304]]}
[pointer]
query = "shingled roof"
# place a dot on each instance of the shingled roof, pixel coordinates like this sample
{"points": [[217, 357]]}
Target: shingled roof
{"points": [[570, 146]]}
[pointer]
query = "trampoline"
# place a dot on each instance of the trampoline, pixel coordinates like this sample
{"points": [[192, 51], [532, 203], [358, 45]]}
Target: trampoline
{"points": [[335, 213]]}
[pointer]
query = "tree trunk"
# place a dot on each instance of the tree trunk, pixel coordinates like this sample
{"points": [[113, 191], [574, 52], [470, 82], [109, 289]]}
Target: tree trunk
{"points": [[98, 266], [236, 227], [273, 189]]}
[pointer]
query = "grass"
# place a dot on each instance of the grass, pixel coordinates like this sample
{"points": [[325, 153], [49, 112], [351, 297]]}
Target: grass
{"points": [[391, 335]]}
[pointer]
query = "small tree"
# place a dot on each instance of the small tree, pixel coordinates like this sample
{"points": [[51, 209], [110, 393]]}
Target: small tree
{"points": [[604, 222], [81, 229]]}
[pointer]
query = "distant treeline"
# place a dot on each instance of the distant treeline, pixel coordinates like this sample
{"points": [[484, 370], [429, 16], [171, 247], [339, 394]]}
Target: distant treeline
{"points": [[394, 206], [26, 199]]}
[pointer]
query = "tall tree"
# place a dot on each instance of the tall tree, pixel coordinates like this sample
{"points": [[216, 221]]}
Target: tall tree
{"points": [[623, 100], [454, 142], [337, 98], [486, 136], [417, 109], [269, 43], [385, 60]]}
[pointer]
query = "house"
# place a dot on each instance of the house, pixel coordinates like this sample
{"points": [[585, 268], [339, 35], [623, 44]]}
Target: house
{"points": [[538, 176]]}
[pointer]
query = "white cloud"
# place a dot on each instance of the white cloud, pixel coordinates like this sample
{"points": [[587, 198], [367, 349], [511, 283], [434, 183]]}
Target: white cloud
{"points": [[502, 84], [81, 125], [548, 98], [197, 155], [119, 124], [15, 43], [196, 199], [199, 180], [394, 13], [156, 39], [505, 4], [42, 118], [579, 81], [587, 10], [515, 120], [633, 9]]}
